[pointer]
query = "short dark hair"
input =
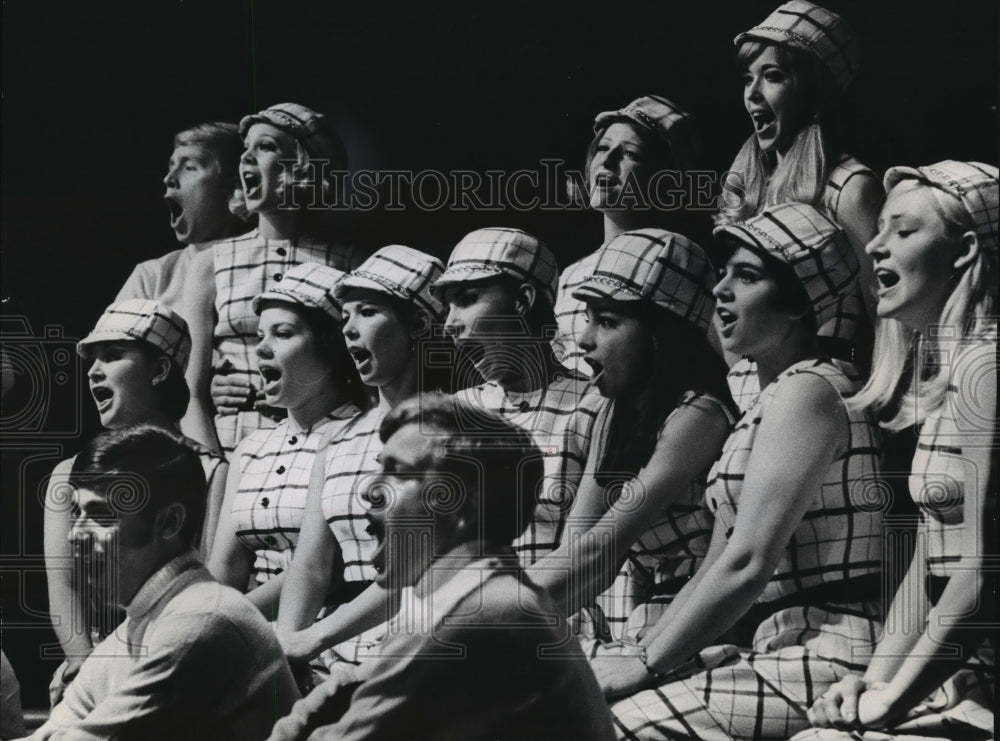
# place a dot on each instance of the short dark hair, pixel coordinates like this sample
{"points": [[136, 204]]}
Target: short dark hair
{"points": [[505, 453], [144, 468]]}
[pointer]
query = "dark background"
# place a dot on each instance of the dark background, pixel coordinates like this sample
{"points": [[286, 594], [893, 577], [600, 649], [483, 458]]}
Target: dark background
{"points": [[93, 93]]}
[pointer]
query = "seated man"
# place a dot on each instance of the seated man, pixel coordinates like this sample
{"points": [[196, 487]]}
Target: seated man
{"points": [[193, 659], [476, 650]]}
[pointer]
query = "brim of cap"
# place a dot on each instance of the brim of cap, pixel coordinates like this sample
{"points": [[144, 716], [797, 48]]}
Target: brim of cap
{"points": [[760, 34], [285, 296], [895, 175], [105, 336], [455, 277], [357, 281], [609, 117], [592, 289]]}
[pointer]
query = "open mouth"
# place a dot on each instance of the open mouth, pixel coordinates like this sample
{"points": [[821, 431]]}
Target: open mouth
{"points": [[102, 397], [362, 358], [605, 180], [763, 120], [270, 375], [726, 317], [886, 278], [176, 211], [251, 183]]}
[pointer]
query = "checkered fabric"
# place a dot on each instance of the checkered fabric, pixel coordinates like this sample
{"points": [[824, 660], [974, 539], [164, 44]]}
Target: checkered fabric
{"points": [[763, 690], [940, 473], [403, 272], [665, 120], [571, 315], [560, 418], [310, 128], [488, 253], [657, 266], [667, 553], [307, 284], [144, 321], [802, 25], [973, 183], [246, 267], [347, 461], [816, 249], [838, 538], [274, 467]]}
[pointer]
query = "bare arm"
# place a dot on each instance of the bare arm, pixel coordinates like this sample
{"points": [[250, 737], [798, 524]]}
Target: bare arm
{"points": [[585, 564], [197, 304], [231, 562], [805, 426], [67, 606], [216, 493]]}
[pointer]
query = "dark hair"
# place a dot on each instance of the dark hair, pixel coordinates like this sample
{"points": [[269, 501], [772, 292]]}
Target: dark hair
{"points": [[541, 315], [143, 468], [172, 395], [494, 459], [330, 344], [680, 360]]}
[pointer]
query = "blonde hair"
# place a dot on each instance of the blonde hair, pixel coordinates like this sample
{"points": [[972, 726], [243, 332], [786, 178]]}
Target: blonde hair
{"points": [[756, 179], [300, 175], [908, 382]]}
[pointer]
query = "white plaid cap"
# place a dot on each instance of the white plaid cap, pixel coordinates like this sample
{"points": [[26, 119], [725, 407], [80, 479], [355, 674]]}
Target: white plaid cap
{"points": [[816, 249], [973, 183], [307, 284], [310, 128], [819, 31], [488, 253], [658, 266], [400, 271], [142, 320], [665, 120]]}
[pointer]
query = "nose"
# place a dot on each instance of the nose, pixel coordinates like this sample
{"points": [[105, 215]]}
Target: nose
{"points": [[247, 157], [875, 249], [453, 325], [96, 369], [349, 330], [586, 341], [263, 348], [170, 179], [722, 290], [751, 89]]}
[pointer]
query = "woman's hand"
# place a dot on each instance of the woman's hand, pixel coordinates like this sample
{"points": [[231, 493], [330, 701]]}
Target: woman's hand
{"points": [[620, 669], [851, 702], [232, 393]]}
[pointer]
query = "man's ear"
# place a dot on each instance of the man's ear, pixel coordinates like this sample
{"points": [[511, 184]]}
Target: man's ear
{"points": [[421, 325], [169, 521], [968, 251], [527, 294], [162, 365]]}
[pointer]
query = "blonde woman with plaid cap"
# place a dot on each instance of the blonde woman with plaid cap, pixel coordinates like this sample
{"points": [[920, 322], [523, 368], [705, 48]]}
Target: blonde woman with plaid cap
{"points": [[305, 369], [786, 601], [500, 286], [796, 65], [935, 365], [227, 401], [388, 314], [136, 355], [644, 147], [649, 303]]}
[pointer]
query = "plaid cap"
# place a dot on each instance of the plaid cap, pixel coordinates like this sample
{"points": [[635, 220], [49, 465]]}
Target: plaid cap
{"points": [[973, 183], [307, 284], [139, 319], [311, 129], [665, 120], [488, 253], [654, 265], [400, 271], [802, 25], [816, 249]]}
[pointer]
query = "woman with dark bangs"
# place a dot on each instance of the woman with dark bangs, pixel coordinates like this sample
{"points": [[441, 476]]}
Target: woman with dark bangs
{"points": [[636, 153], [786, 600], [796, 66], [648, 305]]}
